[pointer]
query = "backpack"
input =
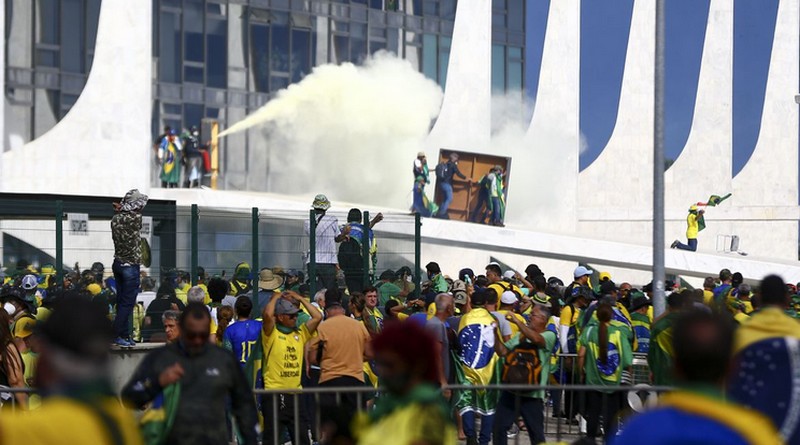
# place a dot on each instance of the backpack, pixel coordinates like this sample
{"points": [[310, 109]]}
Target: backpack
{"points": [[441, 169], [522, 365]]}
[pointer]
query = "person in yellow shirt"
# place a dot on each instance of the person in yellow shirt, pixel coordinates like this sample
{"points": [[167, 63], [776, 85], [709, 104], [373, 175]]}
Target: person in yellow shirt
{"points": [[283, 345], [507, 301], [692, 229], [73, 371]]}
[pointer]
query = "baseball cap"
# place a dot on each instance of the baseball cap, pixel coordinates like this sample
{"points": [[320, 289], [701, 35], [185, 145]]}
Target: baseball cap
{"points": [[508, 297], [638, 303], [581, 271], [744, 288], [285, 307], [509, 274], [29, 282], [607, 287], [460, 297], [421, 154], [604, 276]]}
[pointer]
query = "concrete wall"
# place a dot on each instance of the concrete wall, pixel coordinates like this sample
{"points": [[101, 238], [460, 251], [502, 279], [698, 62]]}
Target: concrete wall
{"points": [[102, 145], [607, 187]]}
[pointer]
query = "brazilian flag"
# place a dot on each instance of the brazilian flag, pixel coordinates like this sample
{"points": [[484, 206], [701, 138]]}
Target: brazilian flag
{"points": [[715, 200], [157, 421]]}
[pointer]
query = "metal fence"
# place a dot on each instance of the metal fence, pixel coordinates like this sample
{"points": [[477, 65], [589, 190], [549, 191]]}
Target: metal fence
{"points": [[72, 233], [308, 402]]}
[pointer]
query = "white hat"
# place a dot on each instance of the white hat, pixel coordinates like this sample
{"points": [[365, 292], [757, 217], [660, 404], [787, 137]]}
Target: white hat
{"points": [[508, 297], [509, 274]]}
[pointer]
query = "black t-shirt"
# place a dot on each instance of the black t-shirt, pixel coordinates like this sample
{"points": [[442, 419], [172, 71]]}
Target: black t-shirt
{"points": [[155, 310]]}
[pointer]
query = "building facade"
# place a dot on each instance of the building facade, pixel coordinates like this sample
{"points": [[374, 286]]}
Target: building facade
{"points": [[223, 59]]}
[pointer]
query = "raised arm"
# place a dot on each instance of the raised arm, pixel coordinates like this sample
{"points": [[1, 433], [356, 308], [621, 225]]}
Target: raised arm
{"points": [[316, 315], [535, 337], [268, 316]]}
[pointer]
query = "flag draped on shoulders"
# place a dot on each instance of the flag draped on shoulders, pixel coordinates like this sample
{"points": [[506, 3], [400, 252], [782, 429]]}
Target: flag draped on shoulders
{"points": [[477, 361]]}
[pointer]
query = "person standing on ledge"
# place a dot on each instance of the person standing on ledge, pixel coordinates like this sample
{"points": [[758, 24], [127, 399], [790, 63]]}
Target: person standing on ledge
{"points": [[125, 227], [444, 180], [695, 224]]}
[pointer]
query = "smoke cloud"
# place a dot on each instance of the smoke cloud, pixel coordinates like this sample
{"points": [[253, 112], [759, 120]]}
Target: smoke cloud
{"points": [[348, 131]]}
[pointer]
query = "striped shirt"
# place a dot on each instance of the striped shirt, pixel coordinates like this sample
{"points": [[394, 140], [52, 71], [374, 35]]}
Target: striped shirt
{"points": [[327, 231]]}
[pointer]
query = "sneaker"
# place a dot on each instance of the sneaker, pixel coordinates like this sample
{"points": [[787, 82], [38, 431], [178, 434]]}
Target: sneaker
{"points": [[512, 432], [122, 343], [132, 341], [674, 244], [472, 441]]}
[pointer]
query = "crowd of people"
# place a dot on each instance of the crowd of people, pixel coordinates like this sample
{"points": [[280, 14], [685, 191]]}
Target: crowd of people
{"points": [[728, 350]]}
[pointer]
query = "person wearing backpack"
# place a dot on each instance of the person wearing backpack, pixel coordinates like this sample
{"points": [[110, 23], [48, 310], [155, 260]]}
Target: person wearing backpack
{"points": [[525, 361], [444, 180]]}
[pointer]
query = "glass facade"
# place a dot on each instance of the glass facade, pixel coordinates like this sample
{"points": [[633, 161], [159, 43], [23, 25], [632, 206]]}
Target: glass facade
{"points": [[223, 59]]}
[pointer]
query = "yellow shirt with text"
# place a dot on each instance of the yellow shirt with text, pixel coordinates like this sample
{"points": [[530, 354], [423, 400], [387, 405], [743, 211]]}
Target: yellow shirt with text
{"points": [[283, 358]]}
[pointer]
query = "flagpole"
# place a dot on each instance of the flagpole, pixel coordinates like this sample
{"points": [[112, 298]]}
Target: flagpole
{"points": [[659, 272]]}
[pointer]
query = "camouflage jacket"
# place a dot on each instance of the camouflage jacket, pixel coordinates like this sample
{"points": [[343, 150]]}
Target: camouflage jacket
{"points": [[125, 228]]}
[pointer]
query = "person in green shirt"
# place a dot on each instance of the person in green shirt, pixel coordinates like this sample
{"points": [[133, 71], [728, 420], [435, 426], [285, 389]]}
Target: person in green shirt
{"points": [[660, 356], [529, 403], [604, 353], [435, 275], [388, 290]]}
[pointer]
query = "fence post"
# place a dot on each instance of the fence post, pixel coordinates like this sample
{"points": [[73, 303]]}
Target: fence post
{"points": [[417, 252], [59, 214], [255, 267], [365, 247], [312, 251], [194, 255]]}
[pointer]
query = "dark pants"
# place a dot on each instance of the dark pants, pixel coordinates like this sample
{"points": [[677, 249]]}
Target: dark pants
{"points": [[509, 408], [485, 435], [326, 276], [692, 246], [607, 405], [479, 214], [354, 280], [338, 410], [279, 411], [311, 380], [127, 278], [447, 193]]}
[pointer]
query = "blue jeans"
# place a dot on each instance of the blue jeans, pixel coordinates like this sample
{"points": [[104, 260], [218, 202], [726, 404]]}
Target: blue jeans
{"points": [[496, 215], [487, 422], [447, 191], [419, 204], [692, 246], [509, 408], [127, 278], [479, 213]]}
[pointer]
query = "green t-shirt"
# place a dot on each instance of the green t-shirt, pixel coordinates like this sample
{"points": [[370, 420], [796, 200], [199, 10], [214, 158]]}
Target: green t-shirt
{"points": [[387, 291], [544, 357], [659, 357], [619, 355]]}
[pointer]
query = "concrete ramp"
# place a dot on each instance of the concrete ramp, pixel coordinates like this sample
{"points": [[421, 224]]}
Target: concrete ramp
{"points": [[455, 244]]}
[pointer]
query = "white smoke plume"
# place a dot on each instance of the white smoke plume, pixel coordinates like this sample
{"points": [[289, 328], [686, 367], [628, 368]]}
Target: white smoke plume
{"points": [[349, 131]]}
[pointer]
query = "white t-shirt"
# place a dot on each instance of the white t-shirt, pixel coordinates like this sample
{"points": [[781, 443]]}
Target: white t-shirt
{"points": [[503, 324], [327, 231]]}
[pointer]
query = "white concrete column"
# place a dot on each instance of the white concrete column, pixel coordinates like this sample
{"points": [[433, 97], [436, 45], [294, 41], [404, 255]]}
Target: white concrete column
{"points": [[102, 147], [620, 179], [464, 122], [705, 164], [548, 164], [770, 176]]}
